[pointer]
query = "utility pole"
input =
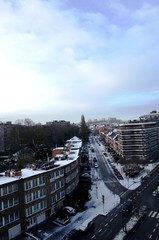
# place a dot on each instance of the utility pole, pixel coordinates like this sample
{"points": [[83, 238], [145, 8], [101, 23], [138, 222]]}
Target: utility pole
{"points": [[103, 200]]}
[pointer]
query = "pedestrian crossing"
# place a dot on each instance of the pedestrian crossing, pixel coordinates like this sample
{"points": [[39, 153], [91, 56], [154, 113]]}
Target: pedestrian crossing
{"points": [[153, 214]]}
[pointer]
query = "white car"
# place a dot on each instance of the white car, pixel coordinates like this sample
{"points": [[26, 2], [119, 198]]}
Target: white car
{"points": [[96, 165], [154, 193], [69, 210]]}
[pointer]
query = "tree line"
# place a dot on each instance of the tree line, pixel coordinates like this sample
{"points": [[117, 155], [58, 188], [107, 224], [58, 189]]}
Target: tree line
{"points": [[52, 135]]}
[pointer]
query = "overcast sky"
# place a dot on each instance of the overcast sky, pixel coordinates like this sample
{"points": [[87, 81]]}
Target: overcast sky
{"points": [[60, 59]]}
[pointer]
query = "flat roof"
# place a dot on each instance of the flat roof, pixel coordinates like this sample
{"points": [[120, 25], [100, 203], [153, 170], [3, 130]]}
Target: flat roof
{"points": [[29, 172]]}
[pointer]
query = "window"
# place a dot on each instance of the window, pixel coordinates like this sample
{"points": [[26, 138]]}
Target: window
{"points": [[58, 196], [53, 199], [52, 187], [41, 180], [62, 194], [9, 188], [1, 222], [57, 185], [11, 217], [62, 183], [52, 176], [16, 215], [16, 200], [15, 187], [4, 190], [6, 204], [6, 219], [42, 192], [11, 202], [28, 185], [57, 173], [35, 183]]}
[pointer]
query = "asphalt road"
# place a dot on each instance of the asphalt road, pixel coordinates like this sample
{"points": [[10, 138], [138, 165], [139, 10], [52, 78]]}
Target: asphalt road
{"points": [[149, 227], [106, 227], [107, 174]]}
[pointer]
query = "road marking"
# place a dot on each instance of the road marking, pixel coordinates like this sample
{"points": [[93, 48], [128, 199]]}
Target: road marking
{"points": [[150, 236], [157, 215], [100, 230], [153, 215], [150, 213], [107, 234], [105, 224], [93, 237]]}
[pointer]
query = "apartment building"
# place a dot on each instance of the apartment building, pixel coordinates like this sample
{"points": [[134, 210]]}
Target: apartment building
{"points": [[151, 117], [33, 194], [60, 123], [5, 129], [138, 141], [10, 207]]}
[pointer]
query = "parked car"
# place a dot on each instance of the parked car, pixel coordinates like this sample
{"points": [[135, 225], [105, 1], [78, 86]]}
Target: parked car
{"points": [[69, 210], [119, 176], [90, 227], [116, 172], [87, 226], [61, 220], [79, 206], [71, 235], [95, 159], [154, 193]]}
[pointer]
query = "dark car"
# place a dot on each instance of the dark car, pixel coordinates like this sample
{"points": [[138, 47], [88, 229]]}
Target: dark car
{"points": [[143, 209], [71, 235], [127, 208], [79, 206], [87, 226], [90, 227]]}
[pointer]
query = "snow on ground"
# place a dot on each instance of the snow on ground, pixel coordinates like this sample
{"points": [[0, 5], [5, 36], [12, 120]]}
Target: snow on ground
{"points": [[95, 206]]}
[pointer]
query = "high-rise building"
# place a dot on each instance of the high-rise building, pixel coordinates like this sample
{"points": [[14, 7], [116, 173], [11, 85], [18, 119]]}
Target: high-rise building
{"points": [[139, 141]]}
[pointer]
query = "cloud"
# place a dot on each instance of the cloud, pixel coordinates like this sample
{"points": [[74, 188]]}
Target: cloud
{"points": [[77, 58]]}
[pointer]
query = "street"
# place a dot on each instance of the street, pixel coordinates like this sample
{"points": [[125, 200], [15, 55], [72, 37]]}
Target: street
{"points": [[105, 206]]}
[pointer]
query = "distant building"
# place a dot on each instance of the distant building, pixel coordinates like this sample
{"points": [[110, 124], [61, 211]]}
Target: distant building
{"points": [[5, 129], [138, 141], [33, 194], [60, 123], [151, 117]]}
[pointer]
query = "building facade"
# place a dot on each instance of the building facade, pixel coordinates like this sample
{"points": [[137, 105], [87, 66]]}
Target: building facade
{"points": [[5, 129], [33, 195], [138, 141]]}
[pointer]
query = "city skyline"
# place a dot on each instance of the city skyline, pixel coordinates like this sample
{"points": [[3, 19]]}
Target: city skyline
{"points": [[63, 59]]}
